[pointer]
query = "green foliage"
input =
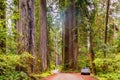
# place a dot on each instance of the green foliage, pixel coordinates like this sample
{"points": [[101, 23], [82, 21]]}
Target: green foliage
{"points": [[2, 26], [45, 74], [11, 39], [117, 42], [108, 68], [14, 75], [109, 76], [83, 59], [9, 64], [2, 37]]}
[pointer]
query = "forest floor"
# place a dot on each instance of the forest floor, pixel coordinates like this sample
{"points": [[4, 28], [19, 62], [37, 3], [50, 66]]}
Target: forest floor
{"points": [[69, 76]]}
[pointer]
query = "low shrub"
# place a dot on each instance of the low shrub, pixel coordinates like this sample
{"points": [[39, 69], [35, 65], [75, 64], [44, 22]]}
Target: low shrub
{"points": [[10, 64], [108, 68]]}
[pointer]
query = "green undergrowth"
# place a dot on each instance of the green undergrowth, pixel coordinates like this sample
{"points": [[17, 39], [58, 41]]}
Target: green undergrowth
{"points": [[10, 64], [108, 68], [45, 74]]}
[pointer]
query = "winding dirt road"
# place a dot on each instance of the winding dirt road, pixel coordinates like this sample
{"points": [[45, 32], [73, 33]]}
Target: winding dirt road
{"points": [[69, 76]]}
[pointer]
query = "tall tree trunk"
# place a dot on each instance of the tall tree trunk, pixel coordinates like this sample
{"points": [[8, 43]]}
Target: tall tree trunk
{"points": [[61, 5], [106, 25], [43, 48], [2, 19], [70, 24], [70, 38], [26, 28], [75, 38], [66, 41]]}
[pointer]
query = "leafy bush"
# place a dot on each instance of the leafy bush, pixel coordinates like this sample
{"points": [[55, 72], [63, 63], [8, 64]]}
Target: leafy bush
{"points": [[9, 64], [14, 75], [109, 76], [108, 68]]}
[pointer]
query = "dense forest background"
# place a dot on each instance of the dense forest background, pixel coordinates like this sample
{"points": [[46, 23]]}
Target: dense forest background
{"points": [[37, 36]]}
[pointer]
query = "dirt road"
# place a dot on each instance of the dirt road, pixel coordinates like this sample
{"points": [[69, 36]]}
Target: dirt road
{"points": [[69, 76]]}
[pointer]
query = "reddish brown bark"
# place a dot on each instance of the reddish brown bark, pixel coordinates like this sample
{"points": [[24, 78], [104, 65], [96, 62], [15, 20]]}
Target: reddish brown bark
{"points": [[70, 50], [26, 28], [43, 49]]}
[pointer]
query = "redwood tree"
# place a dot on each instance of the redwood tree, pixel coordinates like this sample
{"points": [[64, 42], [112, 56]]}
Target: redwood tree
{"points": [[26, 28], [43, 41], [70, 50]]}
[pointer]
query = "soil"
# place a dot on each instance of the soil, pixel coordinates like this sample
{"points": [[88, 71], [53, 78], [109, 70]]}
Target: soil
{"points": [[69, 76]]}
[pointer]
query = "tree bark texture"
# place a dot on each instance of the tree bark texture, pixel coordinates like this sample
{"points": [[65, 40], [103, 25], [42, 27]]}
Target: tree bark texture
{"points": [[70, 38], [43, 48], [26, 28]]}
